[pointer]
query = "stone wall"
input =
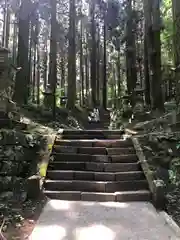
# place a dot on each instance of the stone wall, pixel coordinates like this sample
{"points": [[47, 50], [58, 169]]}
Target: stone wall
{"points": [[19, 155]]}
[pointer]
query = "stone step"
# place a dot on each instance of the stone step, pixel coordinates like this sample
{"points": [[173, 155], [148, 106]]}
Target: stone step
{"points": [[113, 143], [93, 132], [95, 186], [120, 151], [85, 136], [94, 176], [73, 157], [81, 150], [94, 143], [111, 137], [125, 158], [93, 150], [125, 196], [94, 166]]}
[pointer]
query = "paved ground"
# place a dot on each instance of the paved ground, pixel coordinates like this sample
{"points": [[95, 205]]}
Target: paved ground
{"points": [[64, 220]]}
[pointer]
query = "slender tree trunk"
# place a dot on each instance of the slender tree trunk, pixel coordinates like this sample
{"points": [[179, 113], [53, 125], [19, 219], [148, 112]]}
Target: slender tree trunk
{"points": [[146, 73], [45, 64], [118, 66], [6, 26], [38, 60], [114, 86], [15, 32], [30, 64], [87, 74], [72, 56], [52, 78], [81, 65], [104, 67], [34, 75], [8, 17], [98, 69], [130, 53], [63, 74], [38, 75], [93, 53], [86, 58]]}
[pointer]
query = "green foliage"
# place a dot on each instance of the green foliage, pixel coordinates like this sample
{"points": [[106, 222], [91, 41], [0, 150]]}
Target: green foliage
{"points": [[174, 173], [167, 34]]}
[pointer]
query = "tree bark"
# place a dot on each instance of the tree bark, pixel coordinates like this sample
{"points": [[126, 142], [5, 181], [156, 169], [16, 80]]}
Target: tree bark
{"points": [[72, 56], [104, 67], [176, 43], [93, 53], [53, 55], [21, 90], [153, 27], [81, 65], [146, 72], [130, 53], [157, 96]]}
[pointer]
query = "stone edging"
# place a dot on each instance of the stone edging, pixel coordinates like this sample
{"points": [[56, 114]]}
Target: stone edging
{"points": [[170, 222], [157, 187], [35, 182]]}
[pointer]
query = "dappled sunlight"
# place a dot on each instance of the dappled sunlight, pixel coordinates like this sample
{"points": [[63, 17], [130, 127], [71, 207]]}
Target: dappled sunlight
{"points": [[114, 204], [65, 220], [88, 203], [53, 232], [56, 232], [94, 232], [59, 205]]}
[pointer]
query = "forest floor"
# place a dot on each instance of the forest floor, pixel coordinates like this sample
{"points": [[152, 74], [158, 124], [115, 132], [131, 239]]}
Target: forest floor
{"points": [[29, 213]]}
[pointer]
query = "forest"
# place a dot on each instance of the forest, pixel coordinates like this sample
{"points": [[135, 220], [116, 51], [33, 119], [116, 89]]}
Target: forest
{"points": [[59, 60], [92, 52]]}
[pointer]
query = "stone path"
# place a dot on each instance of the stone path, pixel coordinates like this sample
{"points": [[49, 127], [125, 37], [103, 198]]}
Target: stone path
{"points": [[66, 220]]}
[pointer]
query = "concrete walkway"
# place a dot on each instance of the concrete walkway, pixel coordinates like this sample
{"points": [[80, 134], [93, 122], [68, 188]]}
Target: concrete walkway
{"points": [[65, 220]]}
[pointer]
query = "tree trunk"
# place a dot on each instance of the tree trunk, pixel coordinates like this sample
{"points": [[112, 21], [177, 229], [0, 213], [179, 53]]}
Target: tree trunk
{"points": [[62, 75], [38, 74], [86, 58], [118, 66], [6, 26], [81, 65], [15, 32], [30, 65], [34, 75], [52, 79], [176, 43], [45, 61], [93, 53], [146, 73], [98, 69], [130, 53], [104, 67], [157, 95], [72, 56], [153, 27], [21, 90]]}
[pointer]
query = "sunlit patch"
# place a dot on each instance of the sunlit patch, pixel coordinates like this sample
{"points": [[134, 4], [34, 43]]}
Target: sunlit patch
{"points": [[88, 203], [95, 232], [114, 204], [53, 232], [60, 131], [59, 205]]}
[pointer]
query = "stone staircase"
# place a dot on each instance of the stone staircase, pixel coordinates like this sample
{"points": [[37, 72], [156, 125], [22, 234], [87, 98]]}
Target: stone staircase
{"points": [[95, 165]]}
